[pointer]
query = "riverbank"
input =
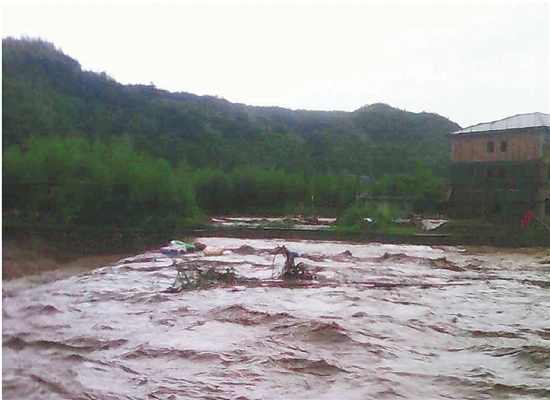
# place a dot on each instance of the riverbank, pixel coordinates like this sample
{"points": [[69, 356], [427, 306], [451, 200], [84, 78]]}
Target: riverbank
{"points": [[23, 259], [24, 254], [457, 233]]}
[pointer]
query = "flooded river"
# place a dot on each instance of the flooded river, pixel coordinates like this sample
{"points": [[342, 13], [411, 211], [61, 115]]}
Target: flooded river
{"points": [[378, 322]]}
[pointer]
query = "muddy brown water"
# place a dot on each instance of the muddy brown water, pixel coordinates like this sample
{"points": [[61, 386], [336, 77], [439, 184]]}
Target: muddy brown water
{"points": [[379, 322]]}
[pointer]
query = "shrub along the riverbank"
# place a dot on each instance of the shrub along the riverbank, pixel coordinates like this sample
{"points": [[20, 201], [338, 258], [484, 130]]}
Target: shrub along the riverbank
{"points": [[69, 183], [271, 191], [365, 219], [104, 194]]}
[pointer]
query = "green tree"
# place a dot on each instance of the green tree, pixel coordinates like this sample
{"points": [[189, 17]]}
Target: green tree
{"points": [[72, 182]]}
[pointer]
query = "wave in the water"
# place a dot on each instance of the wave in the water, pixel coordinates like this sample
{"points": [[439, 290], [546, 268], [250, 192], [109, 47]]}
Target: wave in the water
{"points": [[378, 322]]}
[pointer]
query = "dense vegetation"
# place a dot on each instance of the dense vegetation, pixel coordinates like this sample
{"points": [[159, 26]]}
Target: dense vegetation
{"points": [[74, 182], [82, 149], [265, 191]]}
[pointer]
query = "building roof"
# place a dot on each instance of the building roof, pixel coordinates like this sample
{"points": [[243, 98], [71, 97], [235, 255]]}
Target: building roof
{"points": [[519, 121]]}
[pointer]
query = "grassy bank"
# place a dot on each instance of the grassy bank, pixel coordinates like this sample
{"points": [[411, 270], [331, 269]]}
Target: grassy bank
{"points": [[486, 232]]}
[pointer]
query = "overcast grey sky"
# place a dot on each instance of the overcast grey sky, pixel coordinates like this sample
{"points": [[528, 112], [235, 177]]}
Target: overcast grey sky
{"points": [[469, 62]]}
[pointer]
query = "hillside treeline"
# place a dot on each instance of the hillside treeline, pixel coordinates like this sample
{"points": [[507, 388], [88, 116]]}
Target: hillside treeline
{"points": [[45, 92], [80, 149]]}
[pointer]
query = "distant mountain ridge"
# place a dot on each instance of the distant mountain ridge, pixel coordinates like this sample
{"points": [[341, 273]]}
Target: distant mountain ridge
{"points": [[46, 92]]}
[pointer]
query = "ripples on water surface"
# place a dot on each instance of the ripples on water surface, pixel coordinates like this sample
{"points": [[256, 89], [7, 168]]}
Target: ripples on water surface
{"points": [[382, 322]]}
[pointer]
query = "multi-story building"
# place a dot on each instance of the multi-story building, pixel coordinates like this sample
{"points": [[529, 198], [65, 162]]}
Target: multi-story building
{"points": [[501, 169]]}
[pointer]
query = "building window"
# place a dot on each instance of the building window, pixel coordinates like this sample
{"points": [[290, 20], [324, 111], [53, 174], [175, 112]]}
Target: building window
{"points": [[503, 146], [489, 174], [474, 174], [490, 146]]}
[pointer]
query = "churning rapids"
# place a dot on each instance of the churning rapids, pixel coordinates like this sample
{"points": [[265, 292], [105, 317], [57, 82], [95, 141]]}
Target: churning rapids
{"points": [[380, 322]]}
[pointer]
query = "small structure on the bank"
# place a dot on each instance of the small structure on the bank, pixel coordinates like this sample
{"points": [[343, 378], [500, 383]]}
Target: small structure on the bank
{"points": [[400, 205], [501, 169]]}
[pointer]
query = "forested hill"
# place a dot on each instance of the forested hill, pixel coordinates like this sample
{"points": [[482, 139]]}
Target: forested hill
{"points": [[46, 92]]}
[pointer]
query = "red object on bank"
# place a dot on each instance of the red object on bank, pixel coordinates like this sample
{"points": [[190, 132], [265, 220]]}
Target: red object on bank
{"points": [[527, 219]]}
